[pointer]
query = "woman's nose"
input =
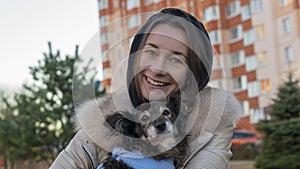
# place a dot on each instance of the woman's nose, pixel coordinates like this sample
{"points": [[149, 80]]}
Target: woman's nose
{"points": [[159, 64], [158, 71]]}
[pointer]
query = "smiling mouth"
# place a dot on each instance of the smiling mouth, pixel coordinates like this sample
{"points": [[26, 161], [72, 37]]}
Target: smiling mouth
{"points": [[156, 83]]}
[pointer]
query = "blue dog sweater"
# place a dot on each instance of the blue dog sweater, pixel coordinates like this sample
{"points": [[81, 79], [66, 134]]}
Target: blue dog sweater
{"points": [[136, 160]]}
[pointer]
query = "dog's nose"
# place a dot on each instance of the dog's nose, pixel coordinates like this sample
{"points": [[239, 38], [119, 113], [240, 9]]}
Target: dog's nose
{"points": [[160, 125]]}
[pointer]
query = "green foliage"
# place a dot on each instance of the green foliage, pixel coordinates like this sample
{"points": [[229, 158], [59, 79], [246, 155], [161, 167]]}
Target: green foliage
{"points": [[244, 151], [286, 105], [42, 124], [9, 129], [281, 145]]}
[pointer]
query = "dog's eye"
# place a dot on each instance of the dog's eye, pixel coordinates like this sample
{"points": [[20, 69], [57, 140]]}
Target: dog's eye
{"points": [[166, 113], [144, 118]]}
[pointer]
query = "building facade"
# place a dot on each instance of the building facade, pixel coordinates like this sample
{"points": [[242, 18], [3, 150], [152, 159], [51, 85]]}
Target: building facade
{"points": [[256, 43]]}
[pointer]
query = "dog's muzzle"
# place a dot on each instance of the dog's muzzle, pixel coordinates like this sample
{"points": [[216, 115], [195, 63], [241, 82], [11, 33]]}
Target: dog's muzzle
{"points": [[160, 125]]}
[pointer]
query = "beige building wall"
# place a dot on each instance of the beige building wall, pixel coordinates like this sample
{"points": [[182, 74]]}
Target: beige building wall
{"points": [[269, 68], [274, 44], [289, 39], [272, 69]]}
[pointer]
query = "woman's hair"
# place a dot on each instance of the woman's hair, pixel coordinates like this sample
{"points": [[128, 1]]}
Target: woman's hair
{"points": [[199, 58]]}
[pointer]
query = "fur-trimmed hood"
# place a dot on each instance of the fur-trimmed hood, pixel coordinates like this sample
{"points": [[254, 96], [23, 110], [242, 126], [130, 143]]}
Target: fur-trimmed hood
{"points": [[217, 109]]}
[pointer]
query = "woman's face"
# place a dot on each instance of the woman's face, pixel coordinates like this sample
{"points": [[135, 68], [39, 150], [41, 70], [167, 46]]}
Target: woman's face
{"points": [[162, 65]]}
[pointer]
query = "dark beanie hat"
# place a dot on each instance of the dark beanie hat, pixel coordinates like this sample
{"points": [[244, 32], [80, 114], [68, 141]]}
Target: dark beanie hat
{"points": [[186, 16]]}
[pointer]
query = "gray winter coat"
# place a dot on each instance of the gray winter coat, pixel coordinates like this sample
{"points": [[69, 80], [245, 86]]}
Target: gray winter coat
{"points": [[209, 145]]}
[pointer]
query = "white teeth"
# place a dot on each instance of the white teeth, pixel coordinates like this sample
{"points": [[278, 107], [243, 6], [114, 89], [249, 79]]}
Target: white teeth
{"points": [[155, 82]]}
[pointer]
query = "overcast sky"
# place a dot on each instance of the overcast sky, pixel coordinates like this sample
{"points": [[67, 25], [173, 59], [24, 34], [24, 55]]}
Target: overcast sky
{"points": [[27, 25]]}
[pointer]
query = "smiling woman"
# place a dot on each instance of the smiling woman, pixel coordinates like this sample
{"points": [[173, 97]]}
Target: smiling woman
{"points": [[162, 63], [170, 60]]}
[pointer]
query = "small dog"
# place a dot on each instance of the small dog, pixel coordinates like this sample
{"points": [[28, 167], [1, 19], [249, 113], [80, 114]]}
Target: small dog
{"points": [[154, 123]]}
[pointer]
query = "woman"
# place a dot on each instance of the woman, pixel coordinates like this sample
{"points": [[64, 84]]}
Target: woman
{"points": [[173, 58]]}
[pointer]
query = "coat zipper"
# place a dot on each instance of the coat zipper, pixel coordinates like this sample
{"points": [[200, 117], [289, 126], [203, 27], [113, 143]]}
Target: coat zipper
{"points": [[88, 155]]}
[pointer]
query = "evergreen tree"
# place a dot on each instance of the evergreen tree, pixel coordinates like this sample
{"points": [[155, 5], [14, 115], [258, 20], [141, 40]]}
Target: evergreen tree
{"points": [[286, 105], [52, 98], [42, 122], [7, 129], [281, 144], [15, 130]]}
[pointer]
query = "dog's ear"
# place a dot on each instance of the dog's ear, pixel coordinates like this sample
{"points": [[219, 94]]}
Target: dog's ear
{"points": [[122, 125]]}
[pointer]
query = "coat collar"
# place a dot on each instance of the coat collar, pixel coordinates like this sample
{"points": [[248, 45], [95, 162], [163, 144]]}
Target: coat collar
{"points": [[217, 109]]}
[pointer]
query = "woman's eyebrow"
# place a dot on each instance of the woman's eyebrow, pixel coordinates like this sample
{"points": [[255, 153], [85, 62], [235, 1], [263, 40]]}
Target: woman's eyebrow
{"points": [[179, 53], [152, 44]]}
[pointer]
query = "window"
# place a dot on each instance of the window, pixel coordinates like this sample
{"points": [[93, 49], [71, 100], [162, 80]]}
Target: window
{"points": [[262, 58], [238, 58], [120, 56], [255, 115], [132, 4], [191, 3], [286, 25], [104, 56], [215, 37], [265, 85], [246, 12], [240, 83], [260, 31], [251, 63], [283, 3], [103, 4], [249, 37], [211, 13], [253, 89], [118, 36], [256, 6], [216, 64], [288, 53], [235, 33], [148, 2], [103, 21], [217, 83], [246, 106], [134, 21], [233, 8], [106, 73], [104, 38], [116, 3]]}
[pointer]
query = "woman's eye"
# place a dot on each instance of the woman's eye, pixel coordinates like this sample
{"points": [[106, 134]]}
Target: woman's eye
{"points": [[174, 59], [150, 52]]}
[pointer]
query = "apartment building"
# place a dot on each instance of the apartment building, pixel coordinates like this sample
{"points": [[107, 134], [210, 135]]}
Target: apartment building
{"points": [[256, 43]]}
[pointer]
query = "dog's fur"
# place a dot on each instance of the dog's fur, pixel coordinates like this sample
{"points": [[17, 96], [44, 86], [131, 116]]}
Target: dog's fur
{"points": [[154, 125]]}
